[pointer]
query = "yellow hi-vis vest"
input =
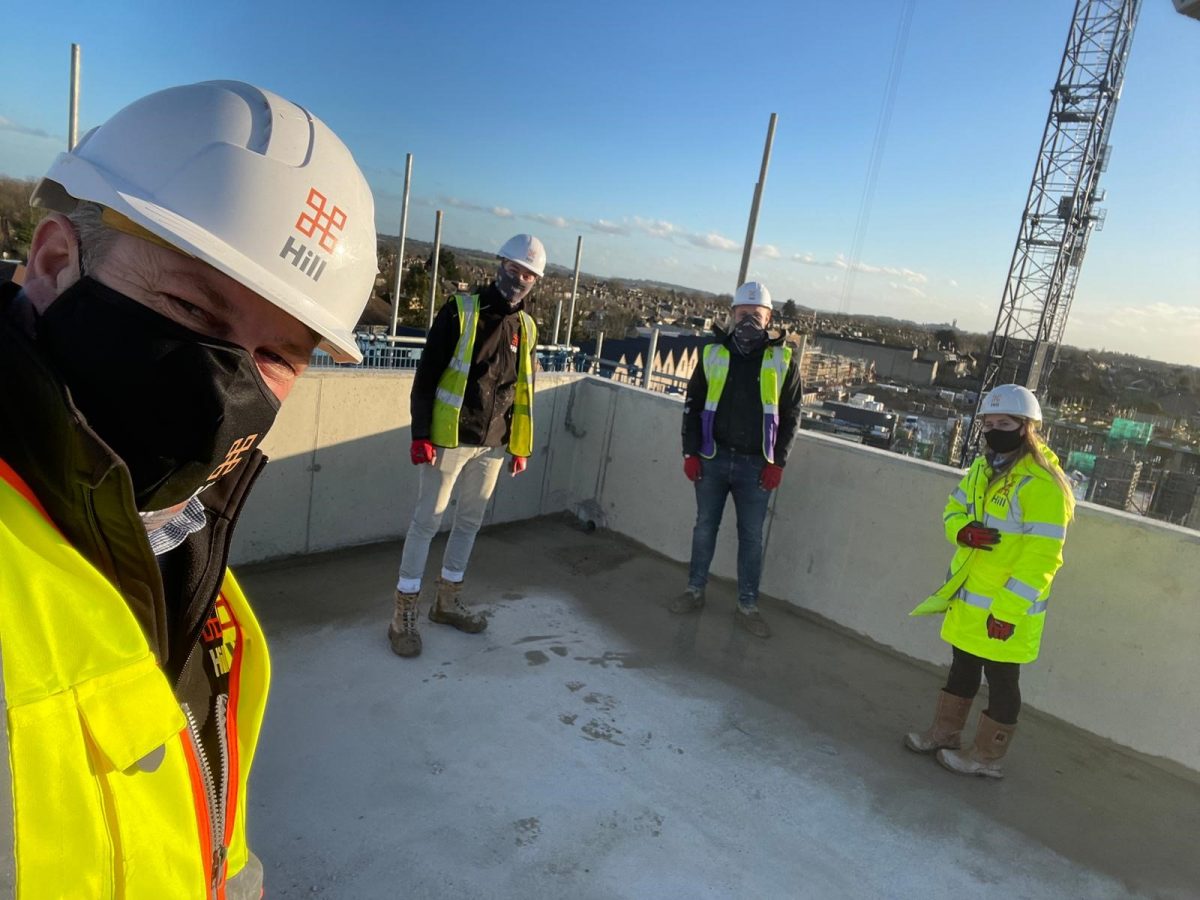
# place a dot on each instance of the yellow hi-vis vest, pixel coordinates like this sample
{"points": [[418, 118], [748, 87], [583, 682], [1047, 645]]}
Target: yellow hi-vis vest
{"points": [[447, 403], [108, 793], [1011, 581], [770, 383]]}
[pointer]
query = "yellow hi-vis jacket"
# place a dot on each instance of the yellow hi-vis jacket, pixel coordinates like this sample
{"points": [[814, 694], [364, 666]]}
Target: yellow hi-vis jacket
{"points": [[109, 797], [452, 386], [1011, 581], [775, 363]]}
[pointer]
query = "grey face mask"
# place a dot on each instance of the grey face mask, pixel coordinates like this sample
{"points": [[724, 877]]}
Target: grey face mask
{"points": [[510, 287], [749, 336]]}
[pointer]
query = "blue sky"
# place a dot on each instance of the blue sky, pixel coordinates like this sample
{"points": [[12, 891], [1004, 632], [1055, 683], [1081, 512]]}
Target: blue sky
{"points": [[640, 126]]}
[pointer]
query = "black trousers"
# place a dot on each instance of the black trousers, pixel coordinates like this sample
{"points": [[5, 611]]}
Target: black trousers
{"points": [[1004, 693]]}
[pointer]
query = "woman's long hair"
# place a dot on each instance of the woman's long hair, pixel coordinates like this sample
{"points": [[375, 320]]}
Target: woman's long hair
{"points": [[1033, 446]]}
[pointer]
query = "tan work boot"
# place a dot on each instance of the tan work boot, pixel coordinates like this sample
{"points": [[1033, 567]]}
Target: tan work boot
{"points": [[447, 609], [402, 632], [751, 620], [691, 600], [984, 757], [949, 717]]}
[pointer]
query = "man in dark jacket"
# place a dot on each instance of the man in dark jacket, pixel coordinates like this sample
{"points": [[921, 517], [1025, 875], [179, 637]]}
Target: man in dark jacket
{"points": [[739, 421], [472, 396]]}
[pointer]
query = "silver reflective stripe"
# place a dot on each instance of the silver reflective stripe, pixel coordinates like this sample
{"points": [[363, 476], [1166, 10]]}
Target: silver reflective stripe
{"points": [[1039, 607], [975, 599], [1046, 529], [770, 409], [971, 509], [1002, 525], [959, 495], [1022, 590], [711, 404], [453, 400], [1014, 502], [460, 365]]}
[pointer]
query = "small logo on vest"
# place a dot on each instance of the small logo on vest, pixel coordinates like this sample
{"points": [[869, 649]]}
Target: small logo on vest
{"points": [[515, 342], [321, 220]]}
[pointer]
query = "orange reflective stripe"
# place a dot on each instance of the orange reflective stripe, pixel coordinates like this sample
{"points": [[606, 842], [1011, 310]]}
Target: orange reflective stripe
{"points": [[17, 483]]}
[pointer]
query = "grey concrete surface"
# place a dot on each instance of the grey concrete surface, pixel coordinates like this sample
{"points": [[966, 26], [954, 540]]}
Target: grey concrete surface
{"points": [[592, 745]]}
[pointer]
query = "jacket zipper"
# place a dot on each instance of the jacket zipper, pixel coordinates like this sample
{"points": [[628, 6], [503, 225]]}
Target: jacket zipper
{"points": [[210, 820]]}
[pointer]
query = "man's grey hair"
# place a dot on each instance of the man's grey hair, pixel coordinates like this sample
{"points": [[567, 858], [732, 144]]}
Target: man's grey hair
{"points": [[95, 238]]}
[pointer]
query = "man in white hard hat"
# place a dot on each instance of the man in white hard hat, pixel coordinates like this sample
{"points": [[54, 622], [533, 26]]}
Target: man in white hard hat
{"points": [[199, 245], [739, 421], [472, 398]]}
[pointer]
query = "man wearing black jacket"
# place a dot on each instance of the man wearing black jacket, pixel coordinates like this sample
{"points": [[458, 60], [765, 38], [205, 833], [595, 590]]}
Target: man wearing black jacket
{"points": [[472, 396], [739, 421]]}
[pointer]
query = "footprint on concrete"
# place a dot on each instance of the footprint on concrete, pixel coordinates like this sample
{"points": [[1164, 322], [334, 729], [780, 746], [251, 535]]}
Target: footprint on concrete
{"points": [[559, 650], [512, 595], [436, 768], [528, 831], [603, 701], [534, 638], [567, 719], [536, 657], [574, 686], [595, 730]]}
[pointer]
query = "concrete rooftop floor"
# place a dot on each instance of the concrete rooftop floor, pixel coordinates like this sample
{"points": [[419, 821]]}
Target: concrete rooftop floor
{"points": [[592, 745]]}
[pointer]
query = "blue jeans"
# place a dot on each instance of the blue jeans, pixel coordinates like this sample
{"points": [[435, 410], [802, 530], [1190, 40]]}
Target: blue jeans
{"points": [[730, 473]]}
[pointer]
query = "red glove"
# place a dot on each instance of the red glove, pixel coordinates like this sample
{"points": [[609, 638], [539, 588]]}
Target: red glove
{"points": [[999, 631], [423, 452], [771, 476], [977, 537], [692, 467], [517, 465]]}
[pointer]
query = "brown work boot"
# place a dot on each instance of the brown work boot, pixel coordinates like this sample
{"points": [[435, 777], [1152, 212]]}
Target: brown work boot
{"points": [[447, 609], [691, 600], [751, 620], [402, 632], [949, 717], [985, 756]]}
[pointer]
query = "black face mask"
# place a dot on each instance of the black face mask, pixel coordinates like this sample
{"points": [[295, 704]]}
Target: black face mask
{"points": [[1003, 441], [749, 336], [180, 409]]}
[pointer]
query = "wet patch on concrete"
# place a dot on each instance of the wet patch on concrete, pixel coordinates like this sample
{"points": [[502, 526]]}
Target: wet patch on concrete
{"points": [[567, 719], [534, 638], [575, 686], [619, 660], [559, 650], [592, 559], [536, 657], [512, 595], [596, 730], [528, 831]]}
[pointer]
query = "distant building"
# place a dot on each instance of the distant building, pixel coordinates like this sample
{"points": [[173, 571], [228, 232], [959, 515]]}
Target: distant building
{"points": [[892, 363]]}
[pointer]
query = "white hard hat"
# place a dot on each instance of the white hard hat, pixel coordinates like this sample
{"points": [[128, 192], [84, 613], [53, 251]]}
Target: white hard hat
{"points": [[752, 293], [246, 181], [1011, 400], [525, 250]]}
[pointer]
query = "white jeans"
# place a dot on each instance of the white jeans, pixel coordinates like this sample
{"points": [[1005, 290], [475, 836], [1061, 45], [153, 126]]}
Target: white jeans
{"points": [[474, 470]]}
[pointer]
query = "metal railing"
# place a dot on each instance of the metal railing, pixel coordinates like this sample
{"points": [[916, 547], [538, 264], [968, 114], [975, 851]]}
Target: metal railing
{"points": [[381, 351]]}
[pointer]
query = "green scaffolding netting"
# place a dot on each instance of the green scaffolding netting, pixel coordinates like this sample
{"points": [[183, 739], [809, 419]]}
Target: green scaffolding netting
{"points": [[1129, 430]]}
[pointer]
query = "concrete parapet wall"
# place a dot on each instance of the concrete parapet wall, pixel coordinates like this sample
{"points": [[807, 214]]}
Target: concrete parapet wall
{"points": [[854, 535]]}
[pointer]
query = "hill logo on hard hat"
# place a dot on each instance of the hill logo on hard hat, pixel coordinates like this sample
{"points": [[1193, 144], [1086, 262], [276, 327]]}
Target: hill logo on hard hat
{"points": [[314, 219]]}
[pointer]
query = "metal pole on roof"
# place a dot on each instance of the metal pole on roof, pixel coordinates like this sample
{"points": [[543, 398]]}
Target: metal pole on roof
{"points": [[433, 278], [599, 348], [574, 288], [73, 115], [754, 205], [557, 320], [650, 359], [400, 249]]}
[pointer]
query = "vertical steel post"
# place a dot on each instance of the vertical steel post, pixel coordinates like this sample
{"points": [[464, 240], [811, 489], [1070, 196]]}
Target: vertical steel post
{"points": [[650, 359], [599, 348], [574, 289], [755, 203], [433, 279], [400, 249], [557, 320], [73, 114]]}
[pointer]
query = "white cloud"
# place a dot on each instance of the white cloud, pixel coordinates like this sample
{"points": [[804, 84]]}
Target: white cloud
{"points": [[16, 128], [606, 227], [555, 221], [767, 251], [713, 241], [502, 212]]}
